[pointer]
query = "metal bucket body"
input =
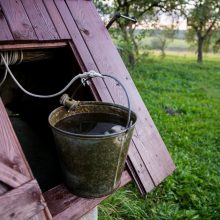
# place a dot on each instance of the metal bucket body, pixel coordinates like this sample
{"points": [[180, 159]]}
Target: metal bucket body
{"points": [[92, 164]]}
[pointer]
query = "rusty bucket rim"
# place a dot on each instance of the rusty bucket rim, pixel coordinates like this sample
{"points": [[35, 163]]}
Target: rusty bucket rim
{"points": [[103, 136]]}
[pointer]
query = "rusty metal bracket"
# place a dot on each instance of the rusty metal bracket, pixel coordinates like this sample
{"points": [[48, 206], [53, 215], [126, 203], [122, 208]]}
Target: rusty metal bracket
{"points": [[118, 15]]}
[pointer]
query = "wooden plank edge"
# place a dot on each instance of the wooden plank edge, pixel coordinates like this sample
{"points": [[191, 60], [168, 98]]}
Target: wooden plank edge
{"points": [[12, 177], [90, 83], [22, 203], [21, 45], [134, 175], [74, 207], [26, 170]]}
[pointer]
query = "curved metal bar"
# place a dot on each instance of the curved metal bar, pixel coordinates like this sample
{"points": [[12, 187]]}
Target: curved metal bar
{"points": [[128, 100]]}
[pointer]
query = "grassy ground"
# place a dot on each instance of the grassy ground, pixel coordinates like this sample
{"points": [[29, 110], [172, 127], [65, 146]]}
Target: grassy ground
{"points": [[184, 101]]}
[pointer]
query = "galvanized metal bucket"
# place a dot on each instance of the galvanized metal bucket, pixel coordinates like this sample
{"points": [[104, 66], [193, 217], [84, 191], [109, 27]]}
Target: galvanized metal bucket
{"points": [[93, 164]]}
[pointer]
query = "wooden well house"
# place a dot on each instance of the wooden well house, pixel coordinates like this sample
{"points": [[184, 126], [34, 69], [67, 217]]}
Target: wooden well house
{"points": [[59, 39]]}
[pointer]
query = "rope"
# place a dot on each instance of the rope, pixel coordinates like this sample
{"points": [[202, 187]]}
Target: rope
{"points": [[11, 58], [83, 77]]}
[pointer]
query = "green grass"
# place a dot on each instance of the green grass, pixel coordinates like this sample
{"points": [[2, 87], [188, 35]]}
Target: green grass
{"points": [[192, 136]]}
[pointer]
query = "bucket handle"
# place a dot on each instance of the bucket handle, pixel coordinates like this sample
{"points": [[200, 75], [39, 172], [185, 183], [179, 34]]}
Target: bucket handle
{"points": [[125, 91], [128, 100], [71, 103]]}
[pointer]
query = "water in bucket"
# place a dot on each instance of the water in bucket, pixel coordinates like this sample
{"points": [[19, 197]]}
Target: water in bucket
{"points": [[92, 124]]}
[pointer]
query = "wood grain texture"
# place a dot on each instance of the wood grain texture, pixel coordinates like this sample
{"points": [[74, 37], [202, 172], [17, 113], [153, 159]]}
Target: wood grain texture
{"points": [[22, 203], [5, 33], [79, 48], [12, 177], [57, 20], [40, 20], [71, 206], [10, 149], [147, 139], [139, 171], [17, 19], [29, 46]]}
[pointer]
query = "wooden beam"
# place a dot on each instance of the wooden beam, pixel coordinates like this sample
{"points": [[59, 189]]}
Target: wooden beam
{"points": [[12, 177], [5, 33], [18, 20], [65, 205], [22, 203], [11, 154], [32, 45], [57, 20], [40, 20]]}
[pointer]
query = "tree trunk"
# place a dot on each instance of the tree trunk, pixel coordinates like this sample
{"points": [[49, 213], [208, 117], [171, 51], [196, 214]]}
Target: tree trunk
{"points": [[200, 49], [130, 52], [132, 36], [163, 47]]}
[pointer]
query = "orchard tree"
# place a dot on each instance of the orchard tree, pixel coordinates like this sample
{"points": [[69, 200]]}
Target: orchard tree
{"points": [[162, 37], [140, 9], [203, 20]]}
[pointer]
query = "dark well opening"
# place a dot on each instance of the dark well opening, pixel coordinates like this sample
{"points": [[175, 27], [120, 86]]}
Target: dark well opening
{"points": [[44, 71]]}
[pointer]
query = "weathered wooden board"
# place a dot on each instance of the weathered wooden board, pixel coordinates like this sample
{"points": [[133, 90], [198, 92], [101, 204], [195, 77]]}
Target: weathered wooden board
{"points": [[57, 20], [147, 140], [10, 150], [29, 46], [12, 155], [22, 203], [79, 48], [40, 20], [5, 33], [12, 177], [18, 20], [60, 201]]}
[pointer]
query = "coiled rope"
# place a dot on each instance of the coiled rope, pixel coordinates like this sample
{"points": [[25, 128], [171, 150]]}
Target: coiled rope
{"points": [[11, 58]]}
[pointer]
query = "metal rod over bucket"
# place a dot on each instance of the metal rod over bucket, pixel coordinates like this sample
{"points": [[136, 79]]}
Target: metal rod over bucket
{"points": [[92, 162]]}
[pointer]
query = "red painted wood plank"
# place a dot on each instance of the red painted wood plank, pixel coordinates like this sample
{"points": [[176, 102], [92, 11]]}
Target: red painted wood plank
{"points": [[5, 33], [79, 48], [17, 19], [10, 149], [12, 177], [40, 19], [57, 20], [73, 207], [33, 45], [146, 137], [22, 202], [11, 153], [139, 170]]}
